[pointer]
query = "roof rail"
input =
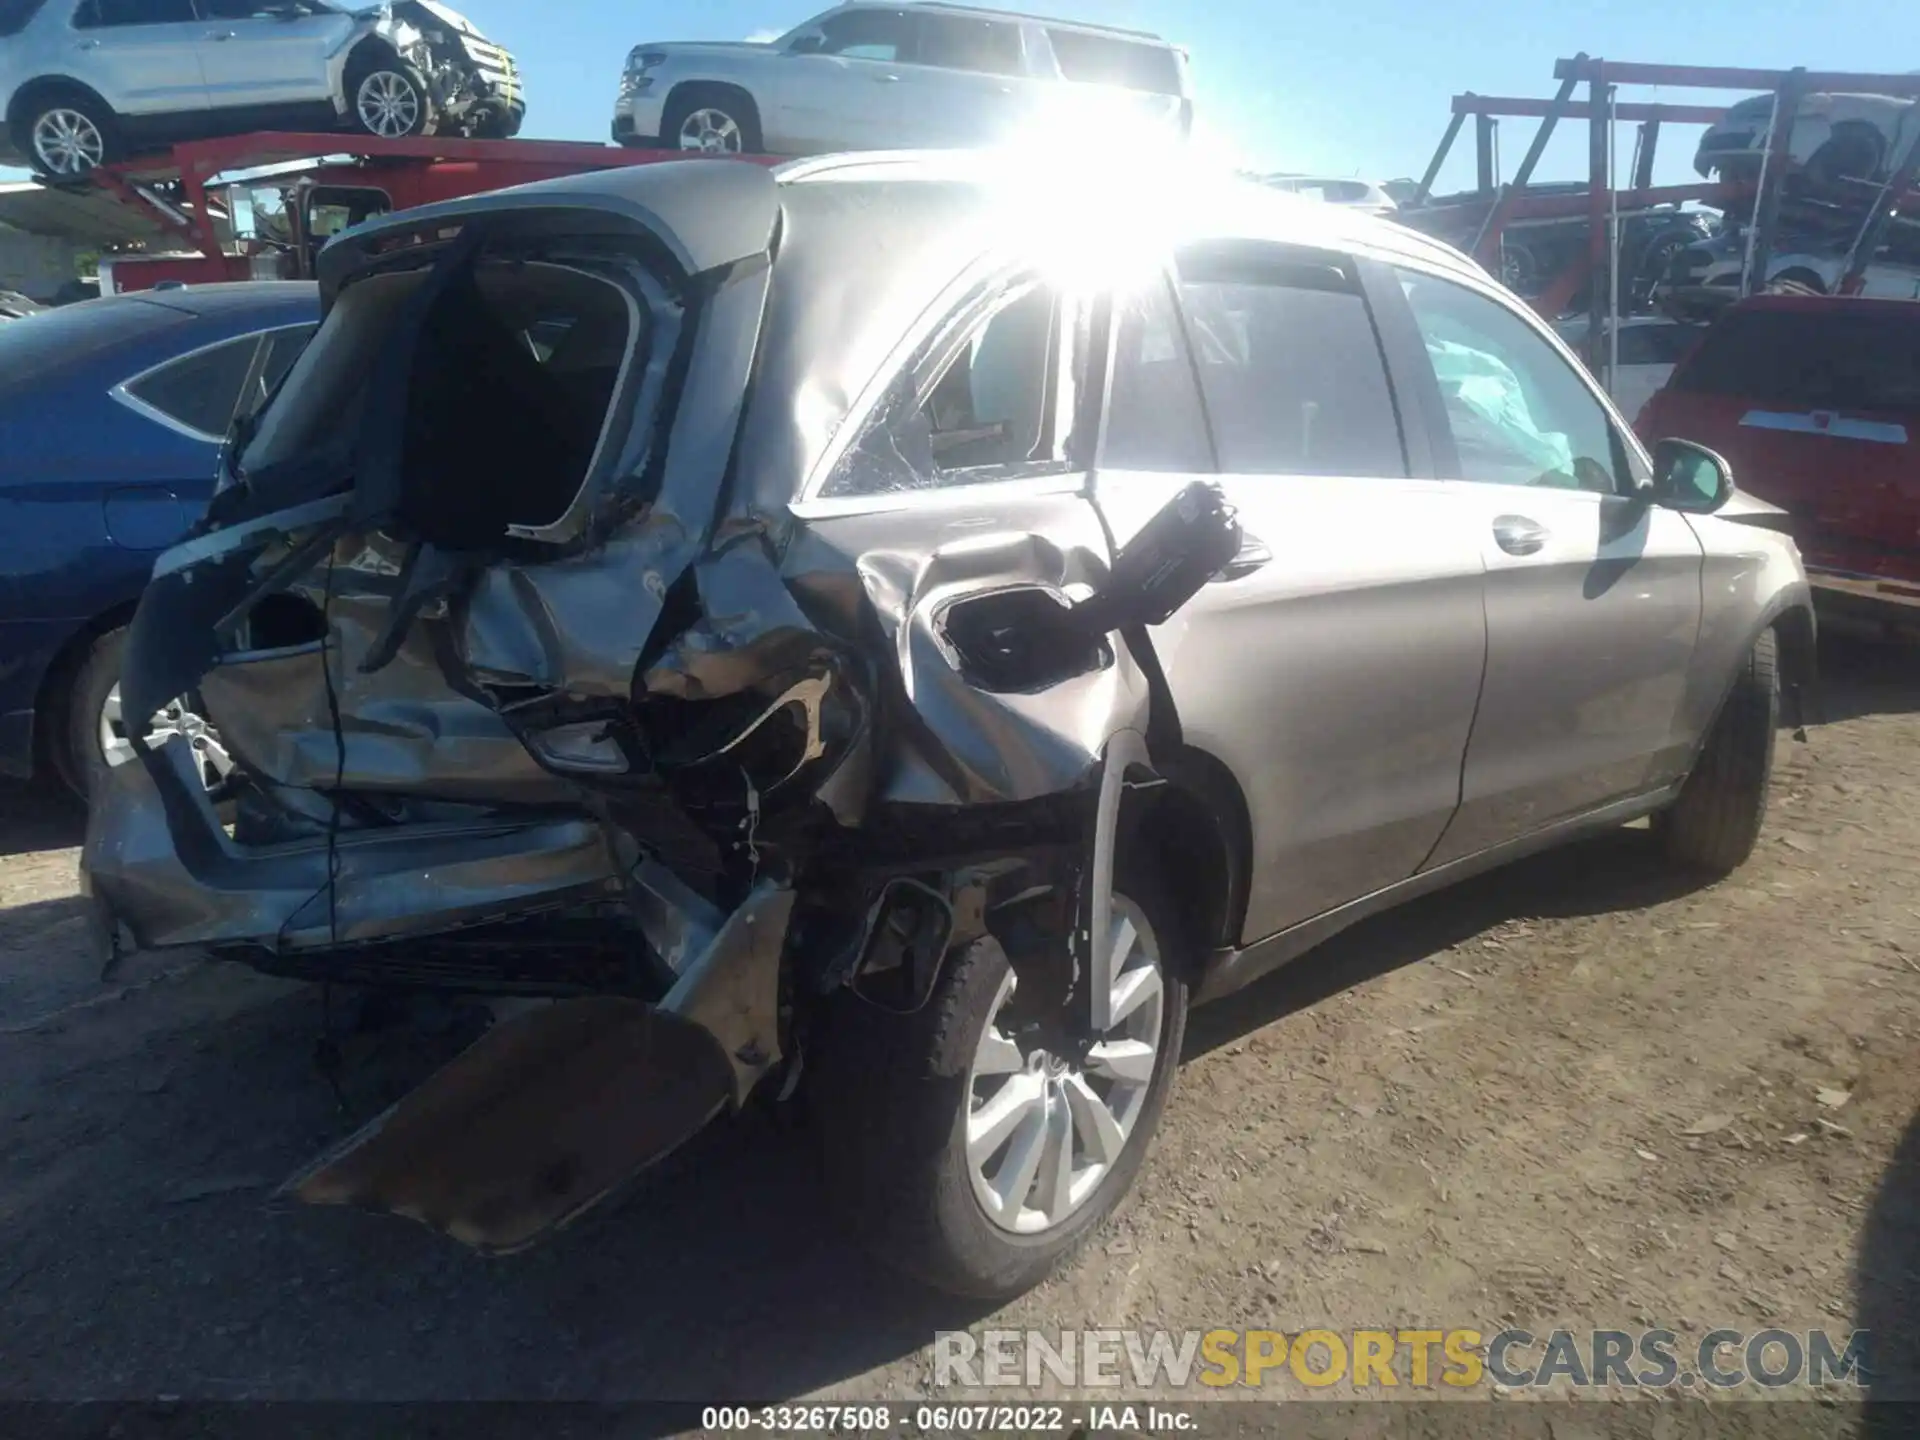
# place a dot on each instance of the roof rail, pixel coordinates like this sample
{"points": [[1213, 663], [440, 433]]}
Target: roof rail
{"points": [[1041, 19]]}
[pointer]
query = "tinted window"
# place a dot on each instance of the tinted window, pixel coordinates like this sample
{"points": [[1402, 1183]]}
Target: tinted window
{"points": [[14, 14], [42, 345], [1154, 419], [1520, 414], [1810, 359], [1292, 371], [1105, 60], [200, 391], [962, 44], [135, 12], [868, 35], [283, 348]]}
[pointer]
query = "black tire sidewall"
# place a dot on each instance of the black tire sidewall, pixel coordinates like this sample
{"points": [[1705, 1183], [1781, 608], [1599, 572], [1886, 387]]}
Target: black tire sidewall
{"points": [[364, 70], [102, 118], [892, 1101], [79, 758], [682, 105]]}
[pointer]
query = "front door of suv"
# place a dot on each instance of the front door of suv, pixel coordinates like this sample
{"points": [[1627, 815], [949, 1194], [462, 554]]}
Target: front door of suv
{"points": [[968, 84], [1333, 671], [269, 55], [1593, 593], [850, 91], [143, 56]]}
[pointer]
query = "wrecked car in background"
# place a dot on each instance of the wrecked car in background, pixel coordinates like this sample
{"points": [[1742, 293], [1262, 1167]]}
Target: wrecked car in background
{"points": [[88, 82], [901, 626], [1836, 138]]}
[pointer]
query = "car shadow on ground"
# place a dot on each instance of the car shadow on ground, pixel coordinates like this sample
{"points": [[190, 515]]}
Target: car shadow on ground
{"points": [[38, 817], [1620, 870], [1887, 1291], [1865, 677]]}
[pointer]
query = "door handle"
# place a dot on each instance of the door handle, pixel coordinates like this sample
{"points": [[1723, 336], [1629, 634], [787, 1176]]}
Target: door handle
{"points": [[222, 35], [86, 44], [1254, 555], [1518, 535], [884, 79]]}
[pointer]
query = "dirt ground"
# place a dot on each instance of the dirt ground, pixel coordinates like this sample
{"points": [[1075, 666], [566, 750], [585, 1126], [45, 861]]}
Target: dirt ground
{"points": [[1470, 1113]]}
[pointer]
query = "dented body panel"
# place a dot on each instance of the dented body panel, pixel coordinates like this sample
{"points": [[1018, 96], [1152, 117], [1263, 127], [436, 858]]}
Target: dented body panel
{"points": [[660, 581]]}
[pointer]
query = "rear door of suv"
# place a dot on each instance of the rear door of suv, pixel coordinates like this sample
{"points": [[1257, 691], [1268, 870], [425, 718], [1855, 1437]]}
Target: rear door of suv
{"points": [[1816, 402], [143, 56]]}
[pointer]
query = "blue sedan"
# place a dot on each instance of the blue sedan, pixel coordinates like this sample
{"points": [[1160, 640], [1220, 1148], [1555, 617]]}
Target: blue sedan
{"points": [[112, 413]]}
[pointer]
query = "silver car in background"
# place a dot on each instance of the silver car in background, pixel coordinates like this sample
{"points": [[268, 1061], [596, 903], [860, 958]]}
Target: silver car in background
{"points": [[1361, 195], [83, 82], [865, 76], [924, 619]]}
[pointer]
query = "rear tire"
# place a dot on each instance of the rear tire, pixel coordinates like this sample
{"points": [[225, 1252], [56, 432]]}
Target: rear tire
{"points": [[1715, 823], [894, 1097]]}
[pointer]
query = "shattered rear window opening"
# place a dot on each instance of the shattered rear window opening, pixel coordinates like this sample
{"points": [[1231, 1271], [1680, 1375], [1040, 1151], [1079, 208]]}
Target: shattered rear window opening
{"points": [[510, 391]]}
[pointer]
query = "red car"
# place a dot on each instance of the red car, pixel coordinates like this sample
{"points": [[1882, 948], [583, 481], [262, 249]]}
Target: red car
{"points": [[1816, 402]]}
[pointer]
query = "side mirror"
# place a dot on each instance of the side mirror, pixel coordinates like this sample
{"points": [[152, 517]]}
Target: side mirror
{"points": [[1690, 478], [806, 44]]}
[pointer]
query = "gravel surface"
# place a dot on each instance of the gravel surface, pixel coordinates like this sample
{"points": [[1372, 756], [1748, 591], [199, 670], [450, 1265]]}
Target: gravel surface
{"points": [[1583, 1092]]}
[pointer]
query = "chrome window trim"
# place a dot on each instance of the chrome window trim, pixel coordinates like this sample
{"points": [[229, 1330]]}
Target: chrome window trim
{"points": [[123, 392]]}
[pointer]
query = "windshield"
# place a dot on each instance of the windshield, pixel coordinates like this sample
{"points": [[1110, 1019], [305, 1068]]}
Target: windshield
{"points": [[1812, 359]]}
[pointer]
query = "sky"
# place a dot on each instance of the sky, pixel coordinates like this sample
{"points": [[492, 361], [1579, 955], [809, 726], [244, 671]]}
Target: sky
{"points": [[1334, 87]]}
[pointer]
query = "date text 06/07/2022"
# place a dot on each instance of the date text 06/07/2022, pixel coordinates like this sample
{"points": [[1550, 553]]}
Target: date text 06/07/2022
{"points": [[936, 1419]]}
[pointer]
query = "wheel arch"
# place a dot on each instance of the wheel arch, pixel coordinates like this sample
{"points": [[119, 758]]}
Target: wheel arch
{"points": [[679, 93], [1197, 825], [54, 694], [31, 93]]}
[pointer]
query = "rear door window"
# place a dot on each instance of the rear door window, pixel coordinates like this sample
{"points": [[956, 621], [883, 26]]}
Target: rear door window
{"points": [[885, 35], [986, 47], [199, 393], [1810, 360], [1290, 365], [114, 13], [1110, 60]]}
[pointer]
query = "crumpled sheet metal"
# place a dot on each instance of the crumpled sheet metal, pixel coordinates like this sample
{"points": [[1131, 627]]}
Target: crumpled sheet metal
{"points": [[192, 884], [580, 624], [957, 744], [550, 1113], [402, 730]]}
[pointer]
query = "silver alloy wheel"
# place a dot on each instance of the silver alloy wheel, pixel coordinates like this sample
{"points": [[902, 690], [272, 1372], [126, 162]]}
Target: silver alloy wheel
{"points": [[711, 132], [215, 764], [1042, 1131], [388, 104], [67, 142]]}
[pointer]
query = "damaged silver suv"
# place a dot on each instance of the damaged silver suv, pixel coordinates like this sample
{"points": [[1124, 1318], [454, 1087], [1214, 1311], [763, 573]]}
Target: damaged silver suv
{"points": [[884, 627]]}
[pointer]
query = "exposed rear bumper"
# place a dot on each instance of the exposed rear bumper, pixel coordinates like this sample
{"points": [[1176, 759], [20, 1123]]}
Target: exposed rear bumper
{"points": [[162, 871]]}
